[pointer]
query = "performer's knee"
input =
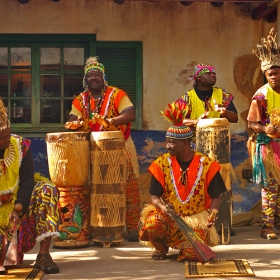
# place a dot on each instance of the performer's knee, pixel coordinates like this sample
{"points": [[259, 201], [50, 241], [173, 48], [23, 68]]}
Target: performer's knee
{"points": [[155, 226]]}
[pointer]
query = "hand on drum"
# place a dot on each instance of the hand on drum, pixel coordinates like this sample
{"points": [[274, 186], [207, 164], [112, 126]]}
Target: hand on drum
{"points": [[203, 116], [101, 119], [75, 124], [219, 107]]}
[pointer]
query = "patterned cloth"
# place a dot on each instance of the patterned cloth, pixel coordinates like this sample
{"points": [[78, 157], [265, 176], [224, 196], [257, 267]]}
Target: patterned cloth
{"points": [[114, 102], [132, 201], [190, 200], [179, 132], [39, 198], [94, 65], [9, 178], [197, 107], [163, 233], [201, 69], [265, 153], [42, 218]]}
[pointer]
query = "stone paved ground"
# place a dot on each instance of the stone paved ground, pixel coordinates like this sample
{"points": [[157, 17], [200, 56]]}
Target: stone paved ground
{"points": [[132, 261]]}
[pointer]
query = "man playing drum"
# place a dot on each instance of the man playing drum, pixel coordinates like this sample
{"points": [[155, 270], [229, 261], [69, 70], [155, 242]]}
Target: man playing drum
{"points": [[101, 107], [191, 183], [207, 101], [26, 203], [264, 144]]}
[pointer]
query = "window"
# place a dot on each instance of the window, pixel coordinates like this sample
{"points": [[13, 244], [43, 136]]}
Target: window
{"points": [[41, 74], [123, 68]]}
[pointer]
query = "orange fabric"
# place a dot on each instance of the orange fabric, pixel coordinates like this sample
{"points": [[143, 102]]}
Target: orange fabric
{"points": [[160, 169], [111, 103], [155, 170], [78, 106]]}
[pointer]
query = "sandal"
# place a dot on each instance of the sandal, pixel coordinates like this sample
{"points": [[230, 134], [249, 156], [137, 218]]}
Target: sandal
{"points": [[158, 256], [267, 233], [46, 263], [277, 222]]}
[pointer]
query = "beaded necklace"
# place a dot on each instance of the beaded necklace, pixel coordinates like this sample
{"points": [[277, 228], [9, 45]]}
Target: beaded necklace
{"points": [[98, 103], [173, 181]]}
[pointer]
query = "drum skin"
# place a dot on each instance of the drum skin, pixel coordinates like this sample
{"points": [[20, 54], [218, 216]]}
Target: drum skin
{"points": [[68, 158], [213, 139], [108, 169]]}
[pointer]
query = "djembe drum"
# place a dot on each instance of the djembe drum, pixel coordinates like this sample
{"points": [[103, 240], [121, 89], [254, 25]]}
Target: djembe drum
{"points": [[213, 139], [68, 160], [108, 186]]}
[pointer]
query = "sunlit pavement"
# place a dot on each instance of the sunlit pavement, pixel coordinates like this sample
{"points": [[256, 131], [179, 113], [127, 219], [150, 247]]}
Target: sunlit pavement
{"points": [[130, 260]]}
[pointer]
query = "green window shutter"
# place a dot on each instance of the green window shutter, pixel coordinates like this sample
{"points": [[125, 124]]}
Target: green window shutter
{"points": [[120, 68], [123, 68]]}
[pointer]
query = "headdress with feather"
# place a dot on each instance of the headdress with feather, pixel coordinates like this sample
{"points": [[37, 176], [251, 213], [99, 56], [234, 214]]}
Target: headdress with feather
{"points": [[4, 120], [175, 113], [268, 51]]}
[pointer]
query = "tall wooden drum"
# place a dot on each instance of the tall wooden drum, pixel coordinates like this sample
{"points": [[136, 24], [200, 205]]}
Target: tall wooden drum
{"points": [[108, 167], [213, 139], [68, 159]]}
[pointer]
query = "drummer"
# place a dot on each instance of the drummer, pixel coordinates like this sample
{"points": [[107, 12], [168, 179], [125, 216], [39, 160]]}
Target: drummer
{"points": [[101, 107], [205, 100]]}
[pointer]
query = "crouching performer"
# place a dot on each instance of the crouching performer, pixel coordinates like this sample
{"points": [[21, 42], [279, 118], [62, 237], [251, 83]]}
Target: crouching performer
{"points": [[191, 183]]}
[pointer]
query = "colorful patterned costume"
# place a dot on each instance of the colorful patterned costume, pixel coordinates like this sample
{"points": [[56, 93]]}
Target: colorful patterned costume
{"points": [[113, 102], [197, 106], [191, 200], [265, 154], [39, 198]]}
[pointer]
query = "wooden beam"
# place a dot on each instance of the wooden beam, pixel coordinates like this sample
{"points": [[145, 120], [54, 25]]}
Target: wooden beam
{"points": [[272, 17], [262, 10], [243, 1]]}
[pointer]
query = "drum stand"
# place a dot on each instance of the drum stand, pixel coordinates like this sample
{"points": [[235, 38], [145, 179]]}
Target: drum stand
{"points": [[224, 221], [213, 139]]}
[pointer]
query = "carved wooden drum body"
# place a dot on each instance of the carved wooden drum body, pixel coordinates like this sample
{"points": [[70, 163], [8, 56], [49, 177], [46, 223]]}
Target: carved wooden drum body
{"points": [[108, 169], [68, 159], [213, 139]]}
